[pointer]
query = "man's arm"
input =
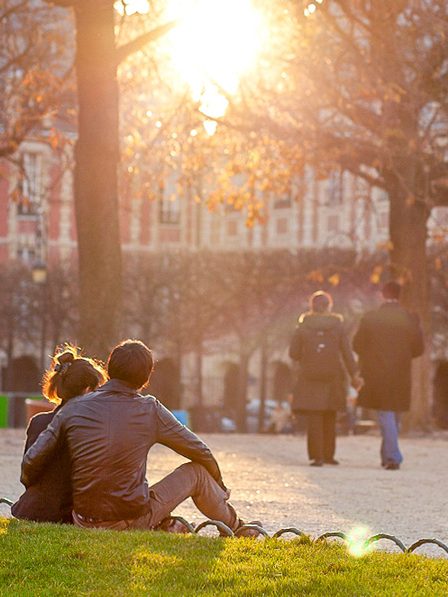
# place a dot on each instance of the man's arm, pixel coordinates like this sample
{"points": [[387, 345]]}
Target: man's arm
{"points": [[360, 338], [347, 355], [295, 348], [179, 438], [37, 456]]}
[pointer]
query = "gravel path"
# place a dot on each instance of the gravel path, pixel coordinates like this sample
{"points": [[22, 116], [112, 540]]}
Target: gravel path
{"points": [[271, 481]]}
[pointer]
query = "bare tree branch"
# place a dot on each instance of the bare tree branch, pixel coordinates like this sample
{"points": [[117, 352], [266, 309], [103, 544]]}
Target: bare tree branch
{"points": [[140, 42]]}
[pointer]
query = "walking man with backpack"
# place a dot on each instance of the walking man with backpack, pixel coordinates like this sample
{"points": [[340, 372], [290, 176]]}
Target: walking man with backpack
{"points": [[321, 346]]}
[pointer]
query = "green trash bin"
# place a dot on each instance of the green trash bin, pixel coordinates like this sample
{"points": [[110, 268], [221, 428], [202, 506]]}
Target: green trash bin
{"points": [[4, 403]]}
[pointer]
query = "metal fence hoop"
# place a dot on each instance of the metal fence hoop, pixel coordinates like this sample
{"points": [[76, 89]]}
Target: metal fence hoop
{"points": [[254, 527], [330, 534], [420, 542], [392, 538], [292, 530], [223, 529]]}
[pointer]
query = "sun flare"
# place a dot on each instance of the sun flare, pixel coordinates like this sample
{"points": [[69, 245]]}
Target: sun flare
{"points": [[215, 44], [357, 542]]}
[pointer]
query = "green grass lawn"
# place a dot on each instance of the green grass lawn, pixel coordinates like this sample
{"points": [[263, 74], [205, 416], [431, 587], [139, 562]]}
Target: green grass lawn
{"points": [[60, 560]]}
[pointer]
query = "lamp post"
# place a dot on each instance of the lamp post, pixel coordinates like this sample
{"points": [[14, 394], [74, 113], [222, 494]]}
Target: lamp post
{"points": [[39, 274]]}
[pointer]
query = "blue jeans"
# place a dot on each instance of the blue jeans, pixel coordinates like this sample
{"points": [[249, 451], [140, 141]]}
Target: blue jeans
{"points": [[389, 425]]}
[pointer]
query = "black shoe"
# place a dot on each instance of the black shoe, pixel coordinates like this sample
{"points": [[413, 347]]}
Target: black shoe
{"points": [[331, 461], [392, 466], [316, 463]]}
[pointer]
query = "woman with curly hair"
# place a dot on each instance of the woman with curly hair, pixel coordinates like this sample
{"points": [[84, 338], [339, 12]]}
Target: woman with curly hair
{"points": [[70, 375]]}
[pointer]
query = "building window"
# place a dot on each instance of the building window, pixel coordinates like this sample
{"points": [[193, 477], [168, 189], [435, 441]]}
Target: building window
{"points": [[30, 184], [335, 183], [384, 220], [283, 202], [26, 250], [282, 226], [215, 230], [362, 189], [383, 196], [333, 223], [169, 208], [232, 228]]}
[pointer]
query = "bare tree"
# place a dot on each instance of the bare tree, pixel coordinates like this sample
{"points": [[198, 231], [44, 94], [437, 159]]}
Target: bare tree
{"points": [[38, 40], [35, 62]]}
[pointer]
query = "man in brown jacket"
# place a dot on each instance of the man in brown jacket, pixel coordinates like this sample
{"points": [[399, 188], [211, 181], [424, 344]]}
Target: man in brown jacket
{"points": [[387, 340], [109, 433]]}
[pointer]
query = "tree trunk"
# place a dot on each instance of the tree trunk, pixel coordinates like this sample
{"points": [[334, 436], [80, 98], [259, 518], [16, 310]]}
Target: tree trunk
{"points": [[408, 235], [263, 367], [95, 180], [241, 414], [45, 306], [7, 381], [199, 385]]}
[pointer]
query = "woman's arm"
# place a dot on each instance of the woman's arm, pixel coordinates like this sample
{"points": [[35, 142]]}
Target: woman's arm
{"points": [[38, 454], [35, 427]]}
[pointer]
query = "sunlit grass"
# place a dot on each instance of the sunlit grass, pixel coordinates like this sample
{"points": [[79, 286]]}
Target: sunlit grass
{"points": [[61, 560], [4, 526]]}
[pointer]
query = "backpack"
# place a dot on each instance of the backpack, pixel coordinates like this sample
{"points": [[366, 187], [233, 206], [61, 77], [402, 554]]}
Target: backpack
{"points": [[320, 360]]}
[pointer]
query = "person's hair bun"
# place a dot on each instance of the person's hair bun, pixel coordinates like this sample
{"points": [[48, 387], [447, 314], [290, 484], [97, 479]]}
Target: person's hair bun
{"points": [[66, 357]]}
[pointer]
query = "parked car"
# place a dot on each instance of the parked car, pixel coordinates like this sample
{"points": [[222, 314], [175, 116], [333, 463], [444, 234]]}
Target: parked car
{"points": [[276, 419]]}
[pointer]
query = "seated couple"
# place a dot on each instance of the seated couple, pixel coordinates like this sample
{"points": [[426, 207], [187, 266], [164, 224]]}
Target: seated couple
{"points": [[85, 462]]}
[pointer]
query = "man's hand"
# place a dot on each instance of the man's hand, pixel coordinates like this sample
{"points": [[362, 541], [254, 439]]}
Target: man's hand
{"points": [[357, 382], [227, 494]]}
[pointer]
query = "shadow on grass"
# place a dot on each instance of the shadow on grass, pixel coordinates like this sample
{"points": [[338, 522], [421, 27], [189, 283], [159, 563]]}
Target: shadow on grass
{"points": [[42, 559]]}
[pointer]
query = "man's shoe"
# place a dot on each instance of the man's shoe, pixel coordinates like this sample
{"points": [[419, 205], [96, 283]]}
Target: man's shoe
{"points": [[251, 533], [391, 466], [332, 461], [316, 463]]}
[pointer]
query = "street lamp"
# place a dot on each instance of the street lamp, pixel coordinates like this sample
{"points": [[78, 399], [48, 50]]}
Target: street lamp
{"points": [[39, 275]]}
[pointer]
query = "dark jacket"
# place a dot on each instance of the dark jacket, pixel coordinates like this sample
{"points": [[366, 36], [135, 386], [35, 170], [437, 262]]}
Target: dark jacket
{"points": [[387, 340], [109, 433], [321, 392], [49, 499]]}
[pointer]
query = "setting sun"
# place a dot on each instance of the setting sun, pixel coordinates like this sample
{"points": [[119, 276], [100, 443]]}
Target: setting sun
{"points": [[214, 46]]}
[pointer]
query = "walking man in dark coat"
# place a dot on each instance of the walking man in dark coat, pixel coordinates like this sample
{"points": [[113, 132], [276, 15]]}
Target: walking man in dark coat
{"points": [[387, 340], [321, 346]]}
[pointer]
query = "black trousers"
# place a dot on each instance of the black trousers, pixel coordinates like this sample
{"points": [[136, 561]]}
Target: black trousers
{"points": [[321, 437]]}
